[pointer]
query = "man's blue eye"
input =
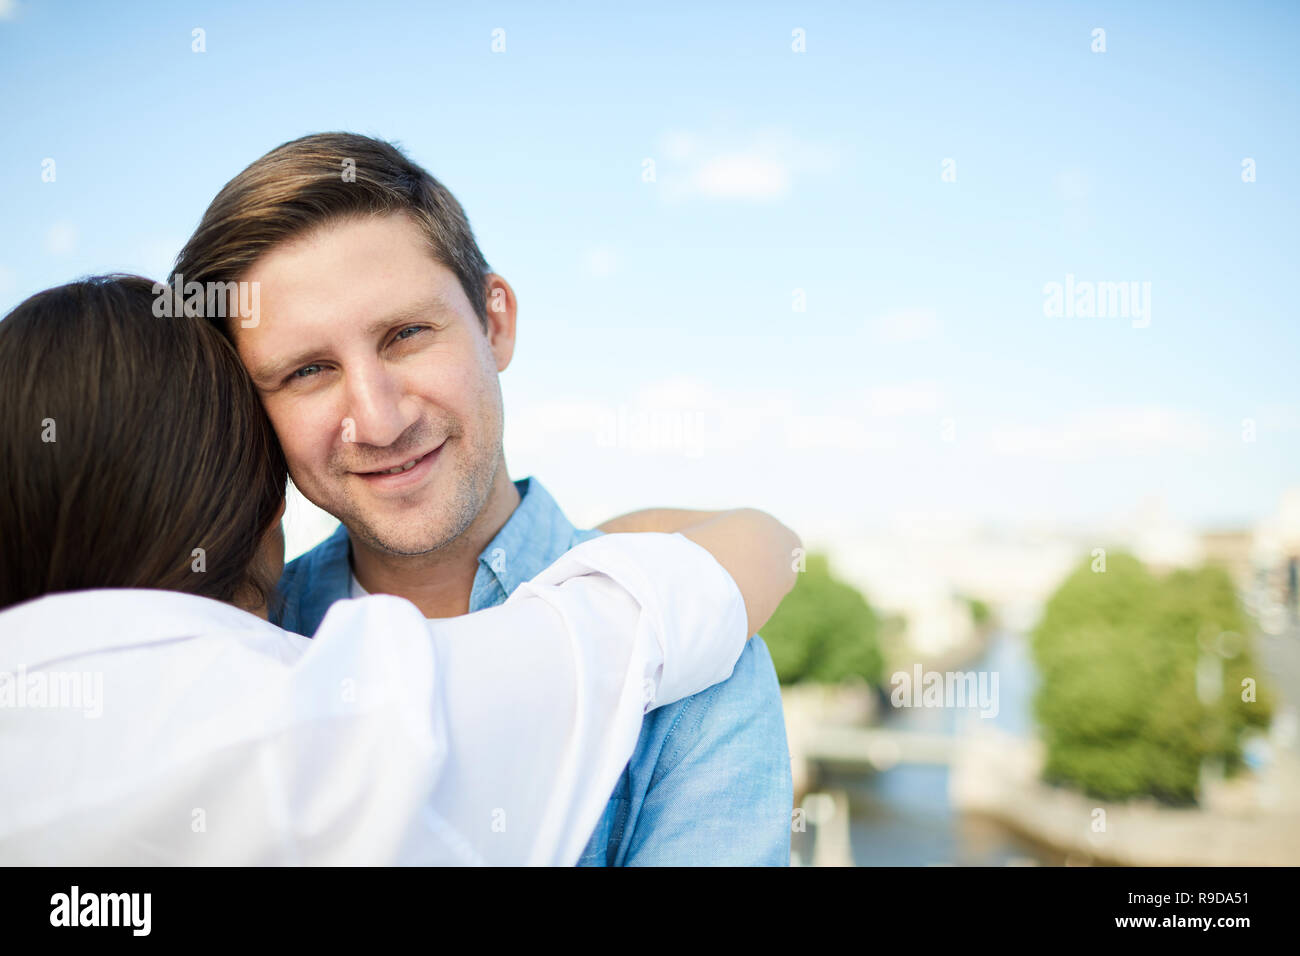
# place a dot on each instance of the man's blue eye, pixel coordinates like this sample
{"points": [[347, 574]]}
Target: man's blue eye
{"points": [[413, 328], [304, 371]]}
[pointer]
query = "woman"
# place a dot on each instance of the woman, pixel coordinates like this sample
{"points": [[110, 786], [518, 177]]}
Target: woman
{"points": [[150, 714]]}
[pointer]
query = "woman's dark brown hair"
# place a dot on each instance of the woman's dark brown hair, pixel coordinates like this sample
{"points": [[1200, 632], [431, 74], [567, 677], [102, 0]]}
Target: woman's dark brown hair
{"points": [[127, 443]]}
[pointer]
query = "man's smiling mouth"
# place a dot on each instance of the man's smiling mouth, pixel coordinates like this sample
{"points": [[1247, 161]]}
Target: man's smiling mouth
{"points": [[407, 466], [401, 467]]}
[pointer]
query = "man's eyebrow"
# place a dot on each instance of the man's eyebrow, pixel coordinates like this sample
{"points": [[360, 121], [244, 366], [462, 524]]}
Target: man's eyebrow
{"points": [[269, 373], [425, 308]]}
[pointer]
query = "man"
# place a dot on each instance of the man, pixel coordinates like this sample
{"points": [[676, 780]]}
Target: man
{"points": [[376, 338]]}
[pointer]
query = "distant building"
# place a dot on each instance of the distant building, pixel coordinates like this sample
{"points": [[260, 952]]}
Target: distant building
{"points": [[1273, 594], [1159, 540], [923, 570], [1232, 550]]}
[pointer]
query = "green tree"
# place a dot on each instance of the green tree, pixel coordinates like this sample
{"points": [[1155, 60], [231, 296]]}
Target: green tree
{"points": [[824, 631], [1117, 653], [981, 614]]}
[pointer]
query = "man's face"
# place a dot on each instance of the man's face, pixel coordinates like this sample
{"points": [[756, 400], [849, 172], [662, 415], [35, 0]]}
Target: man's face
{"points": [[369, 357]]}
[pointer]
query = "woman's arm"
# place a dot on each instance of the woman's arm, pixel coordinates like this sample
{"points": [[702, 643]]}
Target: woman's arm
{"points": [[543, 696], [666, 520], [757, 550], [500, 739]]}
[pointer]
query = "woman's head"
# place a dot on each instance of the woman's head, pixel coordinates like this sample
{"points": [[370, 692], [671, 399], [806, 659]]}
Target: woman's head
{"points": [[134, 452]]}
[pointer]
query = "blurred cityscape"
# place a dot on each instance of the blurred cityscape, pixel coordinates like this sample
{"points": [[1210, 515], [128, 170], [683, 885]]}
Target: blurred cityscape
{"points": [[881, 782], [885, 777]]}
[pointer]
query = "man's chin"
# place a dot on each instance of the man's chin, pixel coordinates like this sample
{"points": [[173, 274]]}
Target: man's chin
{"points": [[423, 523], [408, 533], [399, 540], [402, 549]]}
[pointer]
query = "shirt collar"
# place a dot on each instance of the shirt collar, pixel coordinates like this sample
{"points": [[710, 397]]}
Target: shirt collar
{"points": [[312, 582], [535, 535]]}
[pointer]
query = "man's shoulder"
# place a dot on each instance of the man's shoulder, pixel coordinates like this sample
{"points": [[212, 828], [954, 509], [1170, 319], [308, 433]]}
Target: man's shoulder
{"points": [[749, 700], [710, 781], [324, 557], [584, 534]]}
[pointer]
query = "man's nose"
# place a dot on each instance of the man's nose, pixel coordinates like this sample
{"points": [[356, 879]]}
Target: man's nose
{"points": [[376, 405]]}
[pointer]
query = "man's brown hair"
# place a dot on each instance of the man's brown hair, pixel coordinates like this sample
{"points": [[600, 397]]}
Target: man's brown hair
{"points": [[317, 179], [129, 441]]}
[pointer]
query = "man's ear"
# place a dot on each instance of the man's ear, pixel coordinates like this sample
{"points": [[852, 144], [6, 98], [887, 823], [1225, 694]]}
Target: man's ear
{"points": [[501, 306]]}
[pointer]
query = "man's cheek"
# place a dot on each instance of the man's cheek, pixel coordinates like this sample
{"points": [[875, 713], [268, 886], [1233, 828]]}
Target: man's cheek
{"points": [[307, 449]]}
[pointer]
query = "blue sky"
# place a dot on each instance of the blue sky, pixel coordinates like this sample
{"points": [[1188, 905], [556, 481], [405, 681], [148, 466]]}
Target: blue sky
{"points": [[922, 377]]}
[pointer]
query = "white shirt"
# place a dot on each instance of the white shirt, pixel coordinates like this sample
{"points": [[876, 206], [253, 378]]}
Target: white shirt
{"points": [[187, 731]]}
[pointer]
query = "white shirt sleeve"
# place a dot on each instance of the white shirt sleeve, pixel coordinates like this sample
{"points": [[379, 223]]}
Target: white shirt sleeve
{"points": [[544, 695], [495, 737], [537, 704]]}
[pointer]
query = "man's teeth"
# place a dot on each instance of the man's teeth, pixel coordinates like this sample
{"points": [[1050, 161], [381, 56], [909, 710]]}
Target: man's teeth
{"points": [[400, 468]]}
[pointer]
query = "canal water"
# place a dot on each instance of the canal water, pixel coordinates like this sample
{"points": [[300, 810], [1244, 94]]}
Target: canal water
{"points": [[902, 816]]}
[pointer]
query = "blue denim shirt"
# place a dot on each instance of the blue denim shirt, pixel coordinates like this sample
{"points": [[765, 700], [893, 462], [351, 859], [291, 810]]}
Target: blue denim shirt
{"points": [[709, 782]]}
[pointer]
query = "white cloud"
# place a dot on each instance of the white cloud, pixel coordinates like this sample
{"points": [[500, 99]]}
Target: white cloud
{"points": [[837, 432], [687, 416], [906, 325], [599, 262], [907, 398], [672, 416], [1143, 430], [61, 238], [742, 176], [677, 145], [1072, 185], [808, 454], [154, 257], [540, 426], [761, 166]]}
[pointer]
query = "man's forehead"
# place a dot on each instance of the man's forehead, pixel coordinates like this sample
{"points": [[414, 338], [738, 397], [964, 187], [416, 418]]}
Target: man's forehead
{"points": [[296, 322], [347, 278], [359, 296]]}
